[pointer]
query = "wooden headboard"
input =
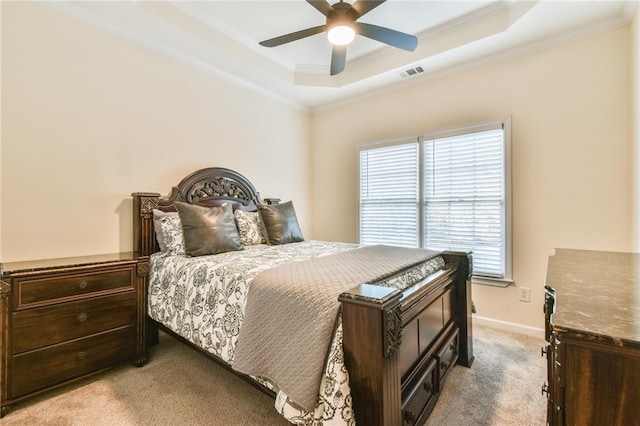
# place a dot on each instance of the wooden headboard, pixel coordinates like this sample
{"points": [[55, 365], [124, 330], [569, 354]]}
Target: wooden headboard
{"points": [[210, 187]]}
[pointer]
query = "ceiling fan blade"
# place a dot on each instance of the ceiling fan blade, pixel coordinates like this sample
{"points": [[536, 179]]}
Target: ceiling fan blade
{"points": [[277, 41], [322, 6], [388, 36], [338, 59], [366, 6]]}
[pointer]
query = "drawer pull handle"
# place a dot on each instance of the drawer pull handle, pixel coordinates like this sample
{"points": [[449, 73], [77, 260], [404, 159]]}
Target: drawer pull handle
{"points": [[82, 355], [81, 317], [444, 365], [82, 284], [428, 387], [545, 389], [543, 351], [409, 417]]}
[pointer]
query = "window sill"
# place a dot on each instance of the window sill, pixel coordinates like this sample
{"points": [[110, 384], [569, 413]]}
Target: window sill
{"points": [[493, 282]]}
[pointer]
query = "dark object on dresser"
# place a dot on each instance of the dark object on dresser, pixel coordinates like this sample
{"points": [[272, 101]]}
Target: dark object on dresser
{"points": [[592, 328], [63, 319], [398, 345]]}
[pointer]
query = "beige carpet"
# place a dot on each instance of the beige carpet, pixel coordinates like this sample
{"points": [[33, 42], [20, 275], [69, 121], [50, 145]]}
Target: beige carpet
{"points": [[501, 388], [179, 386]]}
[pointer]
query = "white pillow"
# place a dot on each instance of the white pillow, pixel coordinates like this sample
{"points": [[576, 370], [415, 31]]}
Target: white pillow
{"points": [[169, 233], [250, 227]]}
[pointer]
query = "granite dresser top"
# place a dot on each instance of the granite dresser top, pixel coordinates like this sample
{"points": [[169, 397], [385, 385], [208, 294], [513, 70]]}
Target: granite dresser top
{"points": [[27, 266], [597, 295]]}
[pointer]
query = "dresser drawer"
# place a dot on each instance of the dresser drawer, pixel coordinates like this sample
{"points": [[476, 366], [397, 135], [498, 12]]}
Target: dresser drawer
{"points": [[45, 289], [447, 356], [42, 368], [39, 327], [421, 399]]}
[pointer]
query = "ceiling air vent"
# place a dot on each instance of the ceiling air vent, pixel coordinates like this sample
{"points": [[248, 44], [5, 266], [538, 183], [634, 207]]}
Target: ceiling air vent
{"points": [[412, 71]]}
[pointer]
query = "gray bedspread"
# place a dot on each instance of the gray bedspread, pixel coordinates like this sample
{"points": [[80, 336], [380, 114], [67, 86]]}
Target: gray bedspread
{"points": [[291, 312]]}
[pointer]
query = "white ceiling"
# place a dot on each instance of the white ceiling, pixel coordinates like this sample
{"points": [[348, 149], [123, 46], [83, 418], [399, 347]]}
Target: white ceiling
{"points": [[221, 37]]}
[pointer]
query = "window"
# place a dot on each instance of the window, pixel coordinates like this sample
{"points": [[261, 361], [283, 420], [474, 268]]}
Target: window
{"points": [[389, 196], [443, 191]]}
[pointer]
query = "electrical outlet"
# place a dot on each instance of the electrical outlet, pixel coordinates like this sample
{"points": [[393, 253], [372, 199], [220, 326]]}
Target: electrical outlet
{"points": [[525, 294]]}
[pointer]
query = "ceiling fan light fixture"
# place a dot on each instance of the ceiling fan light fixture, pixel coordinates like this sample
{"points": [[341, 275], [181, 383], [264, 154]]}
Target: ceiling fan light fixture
{"points": [[341, 28], [341, 34]]}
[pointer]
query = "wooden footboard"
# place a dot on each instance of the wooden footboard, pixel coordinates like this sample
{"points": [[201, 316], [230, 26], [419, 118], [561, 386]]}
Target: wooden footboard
{"points": [[400, 345]]}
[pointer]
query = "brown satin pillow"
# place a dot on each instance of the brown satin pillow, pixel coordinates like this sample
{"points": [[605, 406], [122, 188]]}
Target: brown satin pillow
{"points": [[208, 230], [281, 223]]}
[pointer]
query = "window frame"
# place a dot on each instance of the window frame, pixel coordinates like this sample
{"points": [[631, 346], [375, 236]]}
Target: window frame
{"points": [[505, 124]]}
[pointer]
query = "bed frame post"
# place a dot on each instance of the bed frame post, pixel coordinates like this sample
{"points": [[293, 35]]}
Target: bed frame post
{"points": [[463, 309], [144, 244], [369, 311], [144, 239]]}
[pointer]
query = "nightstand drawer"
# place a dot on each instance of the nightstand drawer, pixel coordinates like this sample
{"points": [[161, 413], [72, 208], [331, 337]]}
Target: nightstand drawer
{"points": [[40, 369], [44, 289], [39, 327], [65, 319]]}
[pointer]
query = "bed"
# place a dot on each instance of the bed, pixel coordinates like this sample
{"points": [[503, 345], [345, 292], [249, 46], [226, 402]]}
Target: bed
{"points": [[389, 346]]}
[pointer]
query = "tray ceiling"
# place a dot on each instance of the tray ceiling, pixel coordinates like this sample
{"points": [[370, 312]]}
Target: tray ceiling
{"points": [[221, 37]]}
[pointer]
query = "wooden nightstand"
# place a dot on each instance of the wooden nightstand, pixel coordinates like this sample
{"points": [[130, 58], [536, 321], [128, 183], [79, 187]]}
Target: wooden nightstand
{"points": [[64, 319]]}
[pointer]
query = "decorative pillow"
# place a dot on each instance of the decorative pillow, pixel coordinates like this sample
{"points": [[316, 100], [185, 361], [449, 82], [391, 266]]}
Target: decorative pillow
{"points": [[168, 230], [250, 227], [281, 223], [208, 230]]}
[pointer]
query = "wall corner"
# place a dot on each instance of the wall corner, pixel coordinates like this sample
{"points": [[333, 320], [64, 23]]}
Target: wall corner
{"points": [[635, 127]]}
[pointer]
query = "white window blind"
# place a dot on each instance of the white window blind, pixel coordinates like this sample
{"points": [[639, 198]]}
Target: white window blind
{"points": [[446, 191], [464, 198], [389, 195]]}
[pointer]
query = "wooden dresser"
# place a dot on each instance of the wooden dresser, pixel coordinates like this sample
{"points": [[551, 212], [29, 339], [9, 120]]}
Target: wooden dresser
{"points": [[63, 319], [592, 329]]}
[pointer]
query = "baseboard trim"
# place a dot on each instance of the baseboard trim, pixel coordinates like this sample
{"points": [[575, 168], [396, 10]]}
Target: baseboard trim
{"points": [[509, 326]]}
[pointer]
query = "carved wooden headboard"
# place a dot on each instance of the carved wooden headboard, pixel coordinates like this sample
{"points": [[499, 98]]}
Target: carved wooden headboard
{"points": [[212, 186]]}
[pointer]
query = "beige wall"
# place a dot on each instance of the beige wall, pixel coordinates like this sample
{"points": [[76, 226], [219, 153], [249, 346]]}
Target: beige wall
{"points": [[1, 133], [88, 118], [571, 156], [635, 114]]}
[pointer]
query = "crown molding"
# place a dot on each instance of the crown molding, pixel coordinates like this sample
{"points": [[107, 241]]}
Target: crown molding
{"points": [[612, 23], [318, 74], [629, 11], [95, 20], [207, 19], [490, 11], [489, 20]]}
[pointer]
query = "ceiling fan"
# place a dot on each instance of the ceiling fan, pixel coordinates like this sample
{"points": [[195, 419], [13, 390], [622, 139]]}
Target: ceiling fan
{"points": [[341, 28]]}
